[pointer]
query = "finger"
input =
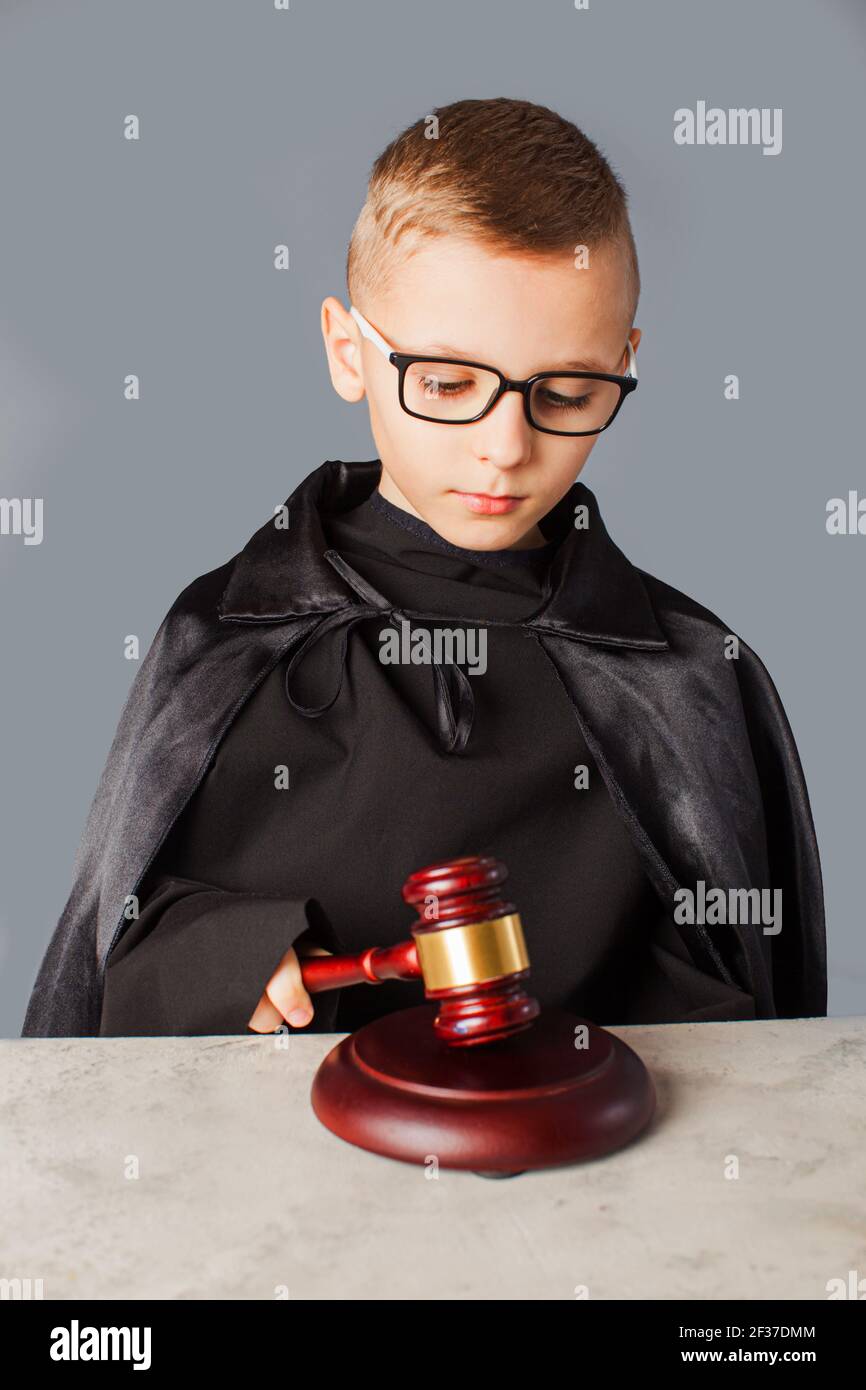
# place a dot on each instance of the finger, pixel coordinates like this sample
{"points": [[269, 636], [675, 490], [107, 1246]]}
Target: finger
{"points": [[285, 990], [266, 1018]]}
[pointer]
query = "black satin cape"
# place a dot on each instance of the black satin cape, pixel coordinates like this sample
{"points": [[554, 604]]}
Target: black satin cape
{"points": [[695, 748]]}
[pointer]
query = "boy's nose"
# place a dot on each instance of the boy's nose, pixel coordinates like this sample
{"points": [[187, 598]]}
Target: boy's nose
{"points": [[505, 434]]}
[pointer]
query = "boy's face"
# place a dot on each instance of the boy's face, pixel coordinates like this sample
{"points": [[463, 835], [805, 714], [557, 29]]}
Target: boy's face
{"points": [[521, 314]]}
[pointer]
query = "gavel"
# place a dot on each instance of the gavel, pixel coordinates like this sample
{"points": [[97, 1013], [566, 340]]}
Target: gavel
{"points": [[467, 946], [553, 1089]]}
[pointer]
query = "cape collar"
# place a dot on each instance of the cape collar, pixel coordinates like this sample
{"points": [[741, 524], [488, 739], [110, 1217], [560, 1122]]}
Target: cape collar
{"points": [[596, 594]]}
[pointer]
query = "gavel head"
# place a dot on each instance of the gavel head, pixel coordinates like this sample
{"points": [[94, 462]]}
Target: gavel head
{"points": [[471, 950]]}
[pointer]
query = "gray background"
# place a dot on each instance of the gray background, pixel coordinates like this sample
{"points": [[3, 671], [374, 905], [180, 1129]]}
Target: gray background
{"points": [[259, 127]]}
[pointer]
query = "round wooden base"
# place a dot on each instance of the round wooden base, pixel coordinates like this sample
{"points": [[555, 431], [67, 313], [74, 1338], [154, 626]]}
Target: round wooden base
{"points": [[560, 1091]]}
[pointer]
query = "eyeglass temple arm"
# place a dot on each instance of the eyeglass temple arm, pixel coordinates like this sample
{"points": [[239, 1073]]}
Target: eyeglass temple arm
{"points": [[632, 361], [369, 331]]}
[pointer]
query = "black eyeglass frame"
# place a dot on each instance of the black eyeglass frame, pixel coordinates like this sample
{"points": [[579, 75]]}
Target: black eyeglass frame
{"points": [[403, 360]]}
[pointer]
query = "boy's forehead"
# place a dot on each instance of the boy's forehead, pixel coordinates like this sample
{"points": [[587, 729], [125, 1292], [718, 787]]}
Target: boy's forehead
{"points": [[457, 298]]}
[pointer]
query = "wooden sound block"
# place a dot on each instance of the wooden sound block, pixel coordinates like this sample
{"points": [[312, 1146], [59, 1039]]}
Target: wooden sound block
{"points": [[532, 1100]]}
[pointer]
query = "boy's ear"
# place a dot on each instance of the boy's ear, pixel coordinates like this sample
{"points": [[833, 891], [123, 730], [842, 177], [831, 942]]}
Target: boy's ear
{"points": [[634, 338], [343, 347]]}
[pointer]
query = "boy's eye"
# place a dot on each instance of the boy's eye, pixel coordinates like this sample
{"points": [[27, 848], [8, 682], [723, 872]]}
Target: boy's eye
{"points": [[435, 386], [555, 400], [432, 381]]}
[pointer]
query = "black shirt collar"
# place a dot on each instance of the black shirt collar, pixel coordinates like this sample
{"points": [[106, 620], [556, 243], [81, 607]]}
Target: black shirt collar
{"points": [[534, 559]]}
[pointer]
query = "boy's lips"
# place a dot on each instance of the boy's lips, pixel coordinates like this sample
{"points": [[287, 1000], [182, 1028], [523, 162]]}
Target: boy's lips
{"points": [[487, 504]]}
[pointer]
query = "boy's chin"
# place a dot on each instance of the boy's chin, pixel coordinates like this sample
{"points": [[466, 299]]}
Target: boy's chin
{"points": [[485, 532]]}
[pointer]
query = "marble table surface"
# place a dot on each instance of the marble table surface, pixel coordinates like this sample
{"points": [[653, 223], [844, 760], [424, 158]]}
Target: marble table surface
{"points": [[182, 1168]]}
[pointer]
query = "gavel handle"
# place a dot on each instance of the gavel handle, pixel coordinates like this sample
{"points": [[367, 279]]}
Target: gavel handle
{"points": [[370, 967]]}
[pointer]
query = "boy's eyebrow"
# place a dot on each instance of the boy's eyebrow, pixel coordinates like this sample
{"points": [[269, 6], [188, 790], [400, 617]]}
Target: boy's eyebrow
{"points": [[586, 364]]}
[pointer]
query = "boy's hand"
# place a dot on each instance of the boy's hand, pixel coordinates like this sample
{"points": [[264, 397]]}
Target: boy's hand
{"points": [[285, 998]]}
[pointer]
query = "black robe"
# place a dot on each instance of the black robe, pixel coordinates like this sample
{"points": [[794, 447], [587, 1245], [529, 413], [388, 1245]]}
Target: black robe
{"points": [[693, 776], [376, 788]]}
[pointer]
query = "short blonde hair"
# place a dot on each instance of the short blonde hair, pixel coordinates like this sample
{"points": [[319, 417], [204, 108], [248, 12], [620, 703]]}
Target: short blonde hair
{"points": [[510, 174]]}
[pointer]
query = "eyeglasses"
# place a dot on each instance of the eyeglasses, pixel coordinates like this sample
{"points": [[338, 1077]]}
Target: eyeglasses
{"points": [[451, 391]]}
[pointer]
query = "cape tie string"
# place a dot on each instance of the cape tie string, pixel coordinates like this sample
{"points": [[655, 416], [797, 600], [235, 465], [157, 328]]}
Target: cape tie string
{"points": [[454, 699]]}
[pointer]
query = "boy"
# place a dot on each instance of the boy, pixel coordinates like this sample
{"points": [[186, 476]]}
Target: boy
{"points": [[442, 652]]}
